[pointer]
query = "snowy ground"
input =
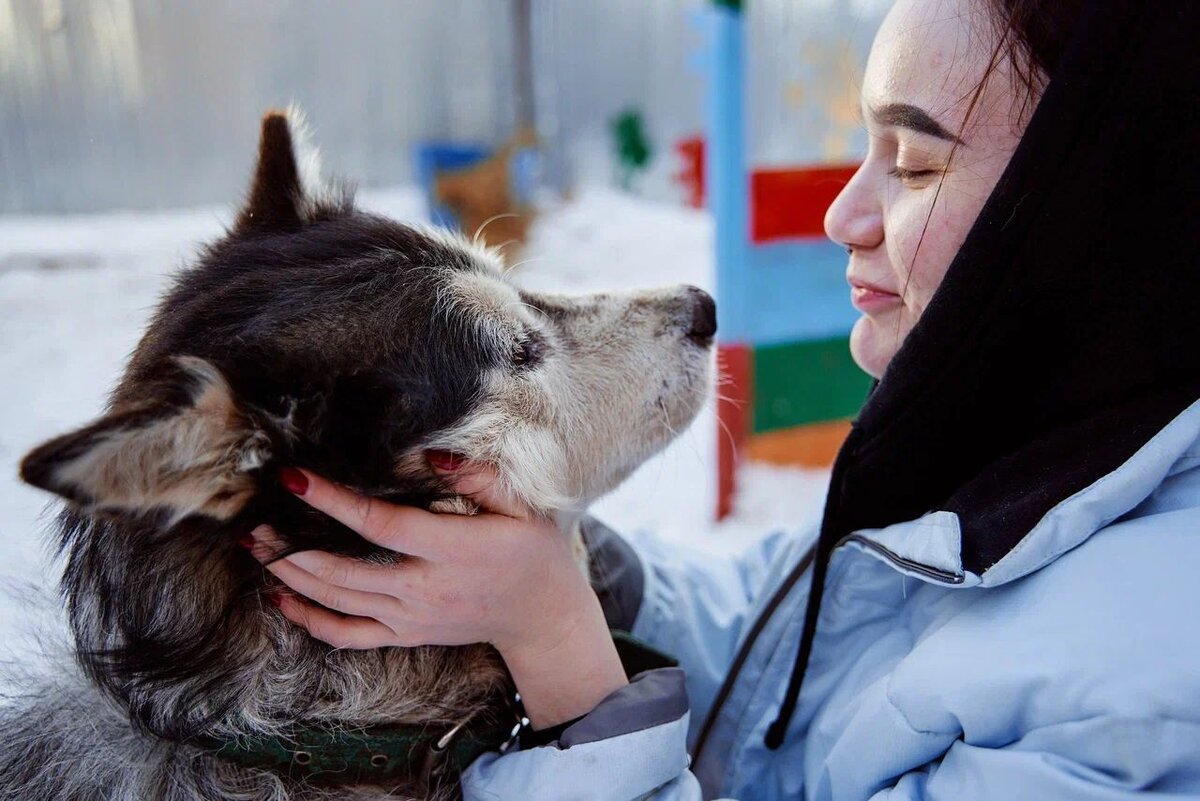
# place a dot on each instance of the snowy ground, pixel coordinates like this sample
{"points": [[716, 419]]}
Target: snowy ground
{"points": [[75, 293]]}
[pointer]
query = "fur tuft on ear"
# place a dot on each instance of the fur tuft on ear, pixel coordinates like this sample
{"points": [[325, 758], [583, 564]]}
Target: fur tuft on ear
{"points": [[287, 189], [194, 453], [308, 158]]}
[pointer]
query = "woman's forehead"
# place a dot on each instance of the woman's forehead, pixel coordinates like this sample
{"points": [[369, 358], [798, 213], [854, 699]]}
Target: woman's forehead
{"points": [[931, 54]]}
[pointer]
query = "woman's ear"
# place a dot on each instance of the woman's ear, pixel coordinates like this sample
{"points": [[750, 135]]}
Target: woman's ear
{"points": [[199, 456]]}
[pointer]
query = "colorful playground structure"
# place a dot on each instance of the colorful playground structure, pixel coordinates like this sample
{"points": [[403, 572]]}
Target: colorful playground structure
{"points": [[783, 307]]}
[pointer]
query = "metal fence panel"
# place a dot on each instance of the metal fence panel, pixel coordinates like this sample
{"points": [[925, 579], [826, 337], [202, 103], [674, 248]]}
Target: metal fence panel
{"points": [[154, 103]]}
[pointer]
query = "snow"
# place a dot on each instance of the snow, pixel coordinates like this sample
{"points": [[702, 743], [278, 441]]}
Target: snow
{"points": [[76, 292]]}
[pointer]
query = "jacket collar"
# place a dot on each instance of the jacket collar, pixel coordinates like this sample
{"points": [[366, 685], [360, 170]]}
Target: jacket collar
{"points": [[930, 547]]}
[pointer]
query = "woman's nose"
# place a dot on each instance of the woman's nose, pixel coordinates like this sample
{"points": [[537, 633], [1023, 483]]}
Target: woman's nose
{"points": [[855, 218]]}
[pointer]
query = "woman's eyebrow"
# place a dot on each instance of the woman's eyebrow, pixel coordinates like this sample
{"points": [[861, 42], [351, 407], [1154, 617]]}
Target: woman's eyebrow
{"points": [[903, 115]]}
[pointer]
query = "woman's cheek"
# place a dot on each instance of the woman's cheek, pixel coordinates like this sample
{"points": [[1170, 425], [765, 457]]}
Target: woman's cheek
{"points": [[926, 244]]}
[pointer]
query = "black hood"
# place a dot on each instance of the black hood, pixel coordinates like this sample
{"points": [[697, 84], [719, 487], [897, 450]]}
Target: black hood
{"points": [[1065, 333]]}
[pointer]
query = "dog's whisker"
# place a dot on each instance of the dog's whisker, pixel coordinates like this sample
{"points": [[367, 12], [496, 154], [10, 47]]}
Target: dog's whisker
{"points": [[523, 262], [489, 221], [724, 427]]}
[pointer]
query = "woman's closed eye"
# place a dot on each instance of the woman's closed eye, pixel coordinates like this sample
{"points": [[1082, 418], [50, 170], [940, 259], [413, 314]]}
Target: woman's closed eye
{"points": [[919, 177]]}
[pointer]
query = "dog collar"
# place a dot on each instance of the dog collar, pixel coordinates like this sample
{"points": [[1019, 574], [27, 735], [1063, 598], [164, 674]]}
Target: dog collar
{"points": [[373, 754], [370, 754]]}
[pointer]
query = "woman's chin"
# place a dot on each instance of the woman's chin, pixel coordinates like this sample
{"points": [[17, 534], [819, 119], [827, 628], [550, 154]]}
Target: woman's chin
{"points": [[872, 345]]}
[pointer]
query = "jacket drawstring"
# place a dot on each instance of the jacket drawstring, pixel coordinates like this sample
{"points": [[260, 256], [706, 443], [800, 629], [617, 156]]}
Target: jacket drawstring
{"points": [[825, 541]]}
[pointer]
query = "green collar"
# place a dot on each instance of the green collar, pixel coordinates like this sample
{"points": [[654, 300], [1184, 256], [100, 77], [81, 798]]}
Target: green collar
{"points": [[366, 755], [376, 754]]}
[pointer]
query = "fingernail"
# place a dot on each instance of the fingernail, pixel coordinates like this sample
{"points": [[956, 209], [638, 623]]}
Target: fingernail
{"points": [[246, 541], [276, 599], [293, 480], [444, 460]]}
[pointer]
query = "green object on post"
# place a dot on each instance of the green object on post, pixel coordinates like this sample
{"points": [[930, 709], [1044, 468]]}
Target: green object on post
{"points": [[735, 5], [806, 382], [633, 146]]}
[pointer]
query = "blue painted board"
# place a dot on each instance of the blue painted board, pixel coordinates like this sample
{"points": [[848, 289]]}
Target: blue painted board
{"points": [[796, 291]]}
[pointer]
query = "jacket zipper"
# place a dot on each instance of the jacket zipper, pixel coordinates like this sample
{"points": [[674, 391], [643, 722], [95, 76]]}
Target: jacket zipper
{"points": [[944, 576], [769, 610]]}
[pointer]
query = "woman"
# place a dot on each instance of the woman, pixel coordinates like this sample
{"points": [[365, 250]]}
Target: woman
{"points": [[1000, 602]]}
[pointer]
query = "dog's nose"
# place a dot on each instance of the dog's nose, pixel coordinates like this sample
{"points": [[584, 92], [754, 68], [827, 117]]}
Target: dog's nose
{"points": [[704, 316]]}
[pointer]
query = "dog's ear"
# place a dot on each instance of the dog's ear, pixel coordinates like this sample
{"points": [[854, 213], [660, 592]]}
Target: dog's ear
{"points": [[193, 451], [287, 185]]}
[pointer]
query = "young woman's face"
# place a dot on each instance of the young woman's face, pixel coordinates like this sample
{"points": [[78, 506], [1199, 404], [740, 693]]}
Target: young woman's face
{"points": [[927, 174]]}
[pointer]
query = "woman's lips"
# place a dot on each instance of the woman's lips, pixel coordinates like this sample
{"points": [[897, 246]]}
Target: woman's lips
{"points": [[869, 297]]}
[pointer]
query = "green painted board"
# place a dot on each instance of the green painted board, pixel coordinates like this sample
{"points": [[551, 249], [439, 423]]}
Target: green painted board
{"points": [[806, 382]]}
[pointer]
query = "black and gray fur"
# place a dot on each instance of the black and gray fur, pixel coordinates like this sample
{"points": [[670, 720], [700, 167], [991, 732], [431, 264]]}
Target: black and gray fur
{"points": [[313, 334]]}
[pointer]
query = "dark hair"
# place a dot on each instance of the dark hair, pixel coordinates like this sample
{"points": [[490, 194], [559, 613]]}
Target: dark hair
{"points": [[1033, 35]]}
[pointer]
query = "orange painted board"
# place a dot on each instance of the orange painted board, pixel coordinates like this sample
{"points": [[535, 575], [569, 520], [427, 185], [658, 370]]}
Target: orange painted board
{"points": [[814, 445]]}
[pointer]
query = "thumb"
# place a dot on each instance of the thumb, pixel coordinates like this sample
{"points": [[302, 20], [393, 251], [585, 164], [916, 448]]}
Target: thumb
{"points": [[480, 482]]}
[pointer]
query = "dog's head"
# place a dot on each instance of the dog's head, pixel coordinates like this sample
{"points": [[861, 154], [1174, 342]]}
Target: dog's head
{"points": [[320, 335], [317, 335]]}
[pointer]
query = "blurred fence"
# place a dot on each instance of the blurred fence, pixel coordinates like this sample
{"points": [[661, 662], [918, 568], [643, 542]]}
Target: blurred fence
{"points": [[147, 103]]}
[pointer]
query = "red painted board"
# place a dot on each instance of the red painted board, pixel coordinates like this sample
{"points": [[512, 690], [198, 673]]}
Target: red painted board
{"points": [[735, 410], [691, 176], [791, 203]]}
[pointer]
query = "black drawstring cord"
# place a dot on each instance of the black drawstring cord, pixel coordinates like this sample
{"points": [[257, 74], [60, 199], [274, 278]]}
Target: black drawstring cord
{"points": [[778, 728], [743, 654], [825, 542]]}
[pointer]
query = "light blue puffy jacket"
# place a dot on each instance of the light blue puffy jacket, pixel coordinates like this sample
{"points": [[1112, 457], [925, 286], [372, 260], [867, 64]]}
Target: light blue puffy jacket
{"points": [[1070, 669]]}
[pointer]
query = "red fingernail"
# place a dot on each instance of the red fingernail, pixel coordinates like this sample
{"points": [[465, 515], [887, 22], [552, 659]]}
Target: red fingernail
{"points": [[246, 541], [293, 480], [445, 460], [276, 599]]}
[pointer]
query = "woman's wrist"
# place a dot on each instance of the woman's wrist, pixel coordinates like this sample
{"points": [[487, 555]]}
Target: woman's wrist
{"points": [[567, 675]]}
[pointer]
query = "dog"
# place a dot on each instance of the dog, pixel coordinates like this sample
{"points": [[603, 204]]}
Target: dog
{"points": [[317, 335]]}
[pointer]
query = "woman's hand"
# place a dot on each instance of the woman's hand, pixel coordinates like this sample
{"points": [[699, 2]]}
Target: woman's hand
{"points": [[505, 576]]}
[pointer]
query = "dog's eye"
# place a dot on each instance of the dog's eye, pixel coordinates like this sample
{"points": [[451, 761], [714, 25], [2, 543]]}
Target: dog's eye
{"points": [[527, 353]]}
